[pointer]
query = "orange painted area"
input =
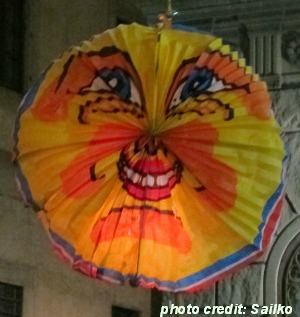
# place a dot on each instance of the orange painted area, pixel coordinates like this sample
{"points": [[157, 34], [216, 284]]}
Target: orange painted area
{"points": [[224, 62], [214, 60], [246, 79], [256, 97], [203, 59], [258, 104], [80, 72], [193, 144], [117, 60], [228, 69], [53, 103], [110, 138], [145, 223], [235, 75]]}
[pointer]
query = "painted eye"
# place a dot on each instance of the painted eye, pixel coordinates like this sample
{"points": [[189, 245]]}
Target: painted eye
{"points": [[199, 81], [116, 81]]}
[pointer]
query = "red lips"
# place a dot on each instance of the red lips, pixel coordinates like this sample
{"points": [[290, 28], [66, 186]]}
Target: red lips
{"points": [[148, 176]]}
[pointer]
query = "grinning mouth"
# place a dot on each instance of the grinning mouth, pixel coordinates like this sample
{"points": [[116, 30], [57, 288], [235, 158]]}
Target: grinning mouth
{"points": [[146, 174]]}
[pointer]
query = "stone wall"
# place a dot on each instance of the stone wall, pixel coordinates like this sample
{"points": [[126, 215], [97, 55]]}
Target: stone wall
{"points": [[53, 26]]}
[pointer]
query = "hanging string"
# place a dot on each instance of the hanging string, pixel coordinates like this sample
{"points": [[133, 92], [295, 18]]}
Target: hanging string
{"points": [[165, 19]]}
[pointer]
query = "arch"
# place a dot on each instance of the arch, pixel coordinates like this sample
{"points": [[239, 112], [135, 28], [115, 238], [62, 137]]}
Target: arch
{"points": [[279, 260]]}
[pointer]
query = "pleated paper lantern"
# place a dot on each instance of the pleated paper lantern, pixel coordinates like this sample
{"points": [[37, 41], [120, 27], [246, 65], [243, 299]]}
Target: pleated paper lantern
{"points": [[152, 158]]}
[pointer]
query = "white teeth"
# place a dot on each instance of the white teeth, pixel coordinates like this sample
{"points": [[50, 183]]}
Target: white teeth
{"points": [[136, 177], [150, 180], [129, 173], [162, 180], [144, 181], [170, 174]]}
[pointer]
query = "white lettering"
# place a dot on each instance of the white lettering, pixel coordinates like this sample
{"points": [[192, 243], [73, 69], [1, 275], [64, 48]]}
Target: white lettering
{"points": [[207, 310], [255, 309], [181, 309], [288, 310], [173, 307], [228, 309], [220, 310], [163, 310], [195, 310], [188, 311], [236, 309]]}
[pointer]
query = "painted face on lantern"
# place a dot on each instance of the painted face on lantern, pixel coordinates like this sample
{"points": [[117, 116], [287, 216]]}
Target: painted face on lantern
{"points": [[133, 148], [146, 167]]}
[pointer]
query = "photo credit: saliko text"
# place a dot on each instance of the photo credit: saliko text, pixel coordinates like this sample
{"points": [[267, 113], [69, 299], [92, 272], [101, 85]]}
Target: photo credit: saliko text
{"points": [[232, 309]]}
